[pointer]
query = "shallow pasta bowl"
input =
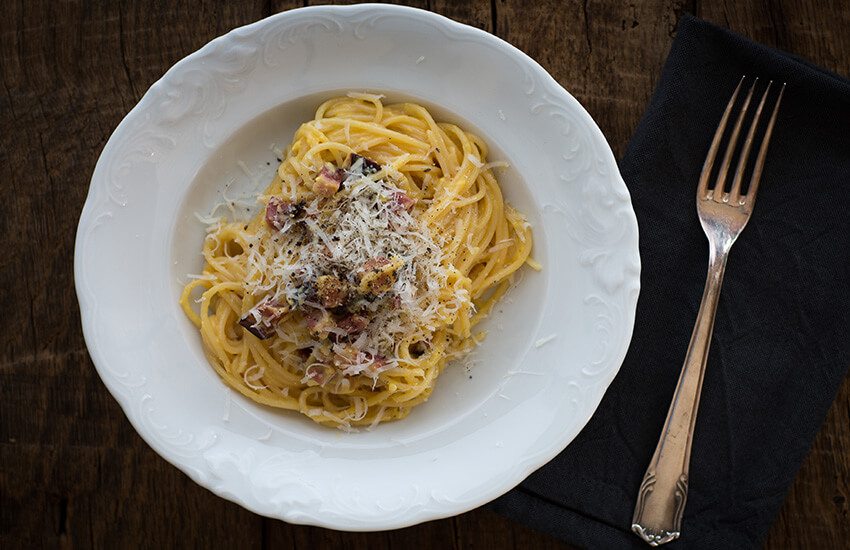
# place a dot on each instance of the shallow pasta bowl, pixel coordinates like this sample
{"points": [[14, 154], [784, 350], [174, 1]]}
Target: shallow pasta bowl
{"points": [[208, 131]]}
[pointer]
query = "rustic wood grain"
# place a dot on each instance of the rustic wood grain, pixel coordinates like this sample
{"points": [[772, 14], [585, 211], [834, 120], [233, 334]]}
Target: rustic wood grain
{"points": [[74, 473], [72, 470]]}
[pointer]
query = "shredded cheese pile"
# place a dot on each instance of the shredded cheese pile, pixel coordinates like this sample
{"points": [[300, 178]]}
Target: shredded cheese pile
{"points": [[337, 236]]}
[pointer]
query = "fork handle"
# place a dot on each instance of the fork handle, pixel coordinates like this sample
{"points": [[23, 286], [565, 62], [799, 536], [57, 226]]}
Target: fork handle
{"points": [[664, 490]]}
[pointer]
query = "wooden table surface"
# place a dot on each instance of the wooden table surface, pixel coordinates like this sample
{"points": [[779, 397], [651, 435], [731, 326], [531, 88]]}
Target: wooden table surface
{"points": [[73, 472]]}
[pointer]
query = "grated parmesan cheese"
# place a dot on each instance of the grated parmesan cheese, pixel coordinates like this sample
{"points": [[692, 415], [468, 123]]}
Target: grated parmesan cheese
{"points": [[207, 220], [251, 378], [338, 236], [474, 160], [545, 340], [501, 245], [496, 164], [226, 416], [244, 167], [365, 96], [378, 418]]}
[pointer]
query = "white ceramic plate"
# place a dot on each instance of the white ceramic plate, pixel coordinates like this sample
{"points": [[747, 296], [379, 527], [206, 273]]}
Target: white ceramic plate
{"points": [[178, 150]]}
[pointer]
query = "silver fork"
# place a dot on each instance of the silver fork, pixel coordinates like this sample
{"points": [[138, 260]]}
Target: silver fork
{"points": [[723, 215]]}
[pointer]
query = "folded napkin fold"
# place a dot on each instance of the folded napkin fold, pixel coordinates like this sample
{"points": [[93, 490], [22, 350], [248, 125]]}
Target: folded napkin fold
{"points": [[781, 342]]}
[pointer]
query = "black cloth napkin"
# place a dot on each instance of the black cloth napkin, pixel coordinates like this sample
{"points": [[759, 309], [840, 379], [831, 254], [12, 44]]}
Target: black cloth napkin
{"points": [[781, 342]]}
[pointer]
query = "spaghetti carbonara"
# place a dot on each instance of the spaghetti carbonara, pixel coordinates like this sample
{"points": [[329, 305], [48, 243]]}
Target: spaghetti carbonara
{"points": [[383, 241]]}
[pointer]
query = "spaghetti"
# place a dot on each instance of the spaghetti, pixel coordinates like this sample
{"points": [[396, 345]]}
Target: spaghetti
{"points": [[384, 241]]}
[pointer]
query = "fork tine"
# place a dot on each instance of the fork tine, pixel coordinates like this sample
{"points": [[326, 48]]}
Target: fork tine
{"points": [[756, 177], [735, 193], [715, 143], [730, 147]]}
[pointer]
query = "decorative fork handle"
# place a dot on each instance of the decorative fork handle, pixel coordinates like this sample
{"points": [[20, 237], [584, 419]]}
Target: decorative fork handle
{"points": [[664, 490]]}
